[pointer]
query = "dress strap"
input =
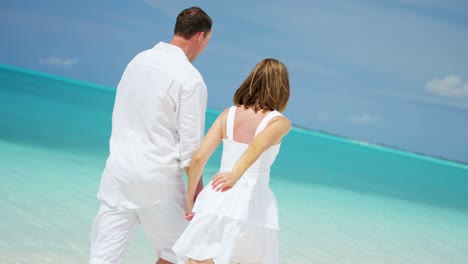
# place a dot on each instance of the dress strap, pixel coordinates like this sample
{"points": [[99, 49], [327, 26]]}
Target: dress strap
{"points": [[265, 121], [230, 122]]}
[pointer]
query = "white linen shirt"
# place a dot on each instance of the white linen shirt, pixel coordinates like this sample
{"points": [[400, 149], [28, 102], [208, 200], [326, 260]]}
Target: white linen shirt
{"points": [[158, 122]]}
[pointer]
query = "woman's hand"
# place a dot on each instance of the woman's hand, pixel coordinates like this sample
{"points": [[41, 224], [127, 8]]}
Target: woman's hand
{"points": [[223, 181], [188, 209]]}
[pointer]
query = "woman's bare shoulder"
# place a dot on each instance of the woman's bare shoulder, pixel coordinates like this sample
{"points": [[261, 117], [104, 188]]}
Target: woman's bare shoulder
{"points": [[282, 121]]}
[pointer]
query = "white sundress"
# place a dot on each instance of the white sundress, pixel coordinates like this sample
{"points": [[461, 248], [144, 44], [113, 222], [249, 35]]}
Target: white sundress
{"points": [[240, 224]]}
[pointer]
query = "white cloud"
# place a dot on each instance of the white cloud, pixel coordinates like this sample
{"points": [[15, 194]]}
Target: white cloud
{"points": [[363, 119], [59, 62], [451, 86]]}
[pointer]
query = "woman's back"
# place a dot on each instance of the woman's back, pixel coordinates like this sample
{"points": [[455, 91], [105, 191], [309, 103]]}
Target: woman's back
{"points": [[241, 127], [246, 122]]}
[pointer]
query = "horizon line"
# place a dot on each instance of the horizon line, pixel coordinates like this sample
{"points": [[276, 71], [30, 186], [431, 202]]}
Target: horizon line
{"points": [[296, 128]]}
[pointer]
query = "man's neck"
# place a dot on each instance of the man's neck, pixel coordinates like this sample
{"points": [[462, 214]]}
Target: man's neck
{"points": [[184, 44]]}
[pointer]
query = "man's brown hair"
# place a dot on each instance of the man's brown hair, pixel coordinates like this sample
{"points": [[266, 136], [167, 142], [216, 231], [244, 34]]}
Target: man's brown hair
{"points": [[191, 21]]}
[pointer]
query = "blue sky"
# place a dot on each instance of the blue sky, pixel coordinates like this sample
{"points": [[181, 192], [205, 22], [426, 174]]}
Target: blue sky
{"points": [[384, 72]]}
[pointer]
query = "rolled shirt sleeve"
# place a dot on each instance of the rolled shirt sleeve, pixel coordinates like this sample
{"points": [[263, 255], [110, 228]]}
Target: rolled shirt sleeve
{"points": [[191, 120]]}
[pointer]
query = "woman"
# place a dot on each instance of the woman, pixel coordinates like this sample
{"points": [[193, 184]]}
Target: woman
{"points": [[235, 217]]}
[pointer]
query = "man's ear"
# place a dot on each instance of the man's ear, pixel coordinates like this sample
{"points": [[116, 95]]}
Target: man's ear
{"points": [[201, 36]]}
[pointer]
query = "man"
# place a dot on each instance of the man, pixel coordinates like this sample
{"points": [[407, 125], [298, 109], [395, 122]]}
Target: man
{"points": [[157, 124]]}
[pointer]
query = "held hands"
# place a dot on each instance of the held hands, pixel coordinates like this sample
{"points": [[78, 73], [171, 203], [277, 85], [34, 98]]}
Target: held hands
{"points": [[188, 209], [190, 201], [223, 181]]}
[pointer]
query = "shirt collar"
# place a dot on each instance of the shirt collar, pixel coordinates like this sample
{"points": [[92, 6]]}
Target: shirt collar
{"points": [[169, 48]]}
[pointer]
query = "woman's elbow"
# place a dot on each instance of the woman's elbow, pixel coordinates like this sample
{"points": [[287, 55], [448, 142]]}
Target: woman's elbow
{"points": [[197, 160]]}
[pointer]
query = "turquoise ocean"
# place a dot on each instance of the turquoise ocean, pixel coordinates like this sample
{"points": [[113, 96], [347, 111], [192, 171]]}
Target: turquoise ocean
{"points": [[341, 201]]}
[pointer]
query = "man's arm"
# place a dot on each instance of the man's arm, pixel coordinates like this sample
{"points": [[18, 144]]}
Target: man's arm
{"points": [[191, 128], [191, 121]]}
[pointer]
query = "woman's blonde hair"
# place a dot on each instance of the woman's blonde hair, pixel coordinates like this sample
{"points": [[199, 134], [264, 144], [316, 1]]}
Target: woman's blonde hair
{"points": [[266, 88]]}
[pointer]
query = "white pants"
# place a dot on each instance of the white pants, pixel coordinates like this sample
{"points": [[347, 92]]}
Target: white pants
{"points": [[113, 228]]}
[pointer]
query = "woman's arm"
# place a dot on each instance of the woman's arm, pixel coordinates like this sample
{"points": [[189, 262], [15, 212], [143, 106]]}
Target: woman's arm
{"points": [[271, 135], [197, 164]]}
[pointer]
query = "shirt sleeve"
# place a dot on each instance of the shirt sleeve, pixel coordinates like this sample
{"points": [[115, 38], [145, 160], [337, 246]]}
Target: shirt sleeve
{"points": [[191, 121]]}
